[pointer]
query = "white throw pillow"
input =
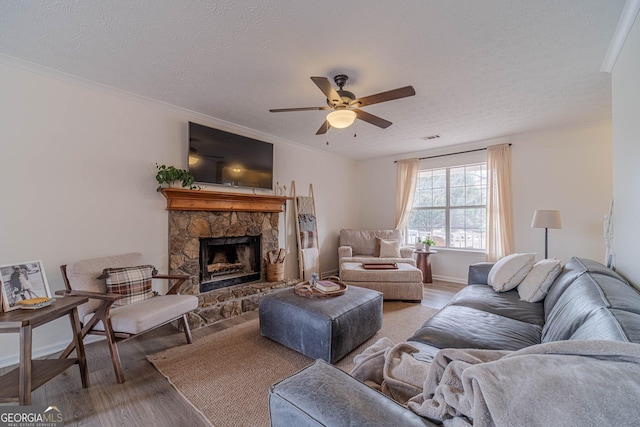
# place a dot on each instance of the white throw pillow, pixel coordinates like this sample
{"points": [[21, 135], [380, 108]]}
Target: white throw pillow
{"points": [[535, 286], [389, 248], [507, 273]]}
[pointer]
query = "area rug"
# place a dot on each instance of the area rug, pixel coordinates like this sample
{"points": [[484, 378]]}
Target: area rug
{"points": [[227, 375]]}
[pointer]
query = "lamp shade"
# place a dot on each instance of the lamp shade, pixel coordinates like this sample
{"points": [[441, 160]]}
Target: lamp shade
{"points": [[546, 219], [341, 118]]}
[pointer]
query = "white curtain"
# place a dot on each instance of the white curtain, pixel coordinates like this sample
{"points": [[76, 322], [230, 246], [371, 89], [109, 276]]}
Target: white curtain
{"points": [[609, 256], [499, 212], [406, 179]]}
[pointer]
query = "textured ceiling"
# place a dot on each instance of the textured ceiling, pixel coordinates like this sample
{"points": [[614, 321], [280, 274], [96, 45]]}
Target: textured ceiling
{"points": [[481, 69]]}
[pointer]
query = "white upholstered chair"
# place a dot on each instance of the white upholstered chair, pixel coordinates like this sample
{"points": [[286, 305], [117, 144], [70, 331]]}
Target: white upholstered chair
{"points": [[118, 323]]}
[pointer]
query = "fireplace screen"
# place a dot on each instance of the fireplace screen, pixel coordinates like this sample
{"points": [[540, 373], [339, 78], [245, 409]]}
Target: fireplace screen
{"points": [[229, 261]]}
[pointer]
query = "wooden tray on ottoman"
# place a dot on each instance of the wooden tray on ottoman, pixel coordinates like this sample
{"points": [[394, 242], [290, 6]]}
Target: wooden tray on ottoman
{"points": [[380, 266], [304, 289]]}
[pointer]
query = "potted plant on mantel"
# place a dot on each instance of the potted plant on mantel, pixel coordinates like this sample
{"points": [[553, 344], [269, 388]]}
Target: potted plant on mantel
{"points": [[167, 176], [428, 242]]}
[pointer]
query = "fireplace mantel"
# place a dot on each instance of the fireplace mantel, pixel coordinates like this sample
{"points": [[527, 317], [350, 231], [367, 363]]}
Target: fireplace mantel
{"points": [[179, 199]]}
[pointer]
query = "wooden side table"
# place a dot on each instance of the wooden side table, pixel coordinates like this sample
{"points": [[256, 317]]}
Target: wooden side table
{"points": [[18, 384], [423, 262]]}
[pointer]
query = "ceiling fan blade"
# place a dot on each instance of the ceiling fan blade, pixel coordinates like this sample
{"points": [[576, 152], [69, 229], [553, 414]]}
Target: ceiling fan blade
{"points": [[374, 120], [324, 128], [325, 86], [282, 110], [402, 92]]}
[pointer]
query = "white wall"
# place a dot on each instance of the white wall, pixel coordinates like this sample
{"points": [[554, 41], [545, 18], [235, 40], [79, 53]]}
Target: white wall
{"points": [[565, 169], [377, 194], [334, 187], [626, 157], [569, 170], [77, 181]]}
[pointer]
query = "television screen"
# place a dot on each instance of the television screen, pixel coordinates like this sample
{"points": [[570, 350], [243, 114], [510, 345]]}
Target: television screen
{"points": [[219, 157]]}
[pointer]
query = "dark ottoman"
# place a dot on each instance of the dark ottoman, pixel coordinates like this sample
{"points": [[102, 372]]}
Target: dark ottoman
{"points": [[321, 328]]}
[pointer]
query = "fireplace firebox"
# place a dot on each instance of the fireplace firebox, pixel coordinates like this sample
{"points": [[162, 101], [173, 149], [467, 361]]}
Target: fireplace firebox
{"points": [[229, 261]]}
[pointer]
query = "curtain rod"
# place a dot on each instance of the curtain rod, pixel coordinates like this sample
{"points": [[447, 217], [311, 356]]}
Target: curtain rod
{"points": [[450, 154]]}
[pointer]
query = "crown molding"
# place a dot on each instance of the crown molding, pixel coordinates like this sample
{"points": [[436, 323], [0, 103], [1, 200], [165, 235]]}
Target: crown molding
{"points": [[189, 114], [628, 17]]}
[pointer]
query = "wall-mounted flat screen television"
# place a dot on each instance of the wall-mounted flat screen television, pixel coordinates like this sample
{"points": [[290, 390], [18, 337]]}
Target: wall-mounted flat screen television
{"points": [[224, 158]]}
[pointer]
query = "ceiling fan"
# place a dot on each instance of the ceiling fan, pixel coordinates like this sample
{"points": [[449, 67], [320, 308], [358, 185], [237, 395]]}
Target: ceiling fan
{"points": [[345, 105], [195, 155]]}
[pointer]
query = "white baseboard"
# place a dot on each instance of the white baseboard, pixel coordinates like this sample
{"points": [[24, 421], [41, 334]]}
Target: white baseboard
{"points": [[45, 351]]}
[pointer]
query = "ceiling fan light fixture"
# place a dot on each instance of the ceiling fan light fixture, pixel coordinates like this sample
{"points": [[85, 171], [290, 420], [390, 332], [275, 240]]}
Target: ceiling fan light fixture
{"points": [[341, 119]]}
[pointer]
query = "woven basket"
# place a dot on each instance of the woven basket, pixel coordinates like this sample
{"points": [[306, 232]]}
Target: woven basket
{"points": [[275, 272]]}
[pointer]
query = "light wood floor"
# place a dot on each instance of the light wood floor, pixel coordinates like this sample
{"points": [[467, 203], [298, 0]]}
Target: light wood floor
{"points": [[438, 294], [147, 398]]}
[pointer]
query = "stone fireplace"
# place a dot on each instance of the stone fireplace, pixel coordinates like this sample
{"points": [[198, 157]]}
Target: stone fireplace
{"points": [[221, 241]]}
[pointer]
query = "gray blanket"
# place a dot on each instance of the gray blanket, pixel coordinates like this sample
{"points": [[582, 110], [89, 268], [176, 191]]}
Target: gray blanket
{"points": [[391, 369], [565, 383]]}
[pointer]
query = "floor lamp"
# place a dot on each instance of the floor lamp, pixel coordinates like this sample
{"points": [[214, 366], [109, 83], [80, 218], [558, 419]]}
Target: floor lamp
{"points": [[546, 219]]}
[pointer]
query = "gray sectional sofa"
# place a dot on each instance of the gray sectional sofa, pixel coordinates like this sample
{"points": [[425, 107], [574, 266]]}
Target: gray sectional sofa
{"points": [[588, 307]]}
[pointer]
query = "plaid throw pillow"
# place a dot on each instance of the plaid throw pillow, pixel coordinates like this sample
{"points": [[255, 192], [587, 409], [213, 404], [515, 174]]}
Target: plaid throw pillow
{"points": [[133, 282]]}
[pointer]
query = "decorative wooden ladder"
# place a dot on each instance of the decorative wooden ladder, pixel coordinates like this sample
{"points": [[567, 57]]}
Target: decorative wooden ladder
{"points": [[306, 233]]}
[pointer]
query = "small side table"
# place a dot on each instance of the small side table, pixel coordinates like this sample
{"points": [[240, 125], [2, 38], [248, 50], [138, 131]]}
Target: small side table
{"points": [[18, 384], [423, 262]]}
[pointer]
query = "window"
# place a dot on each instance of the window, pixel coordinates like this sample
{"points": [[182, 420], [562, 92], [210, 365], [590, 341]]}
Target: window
{"points": [[450, 206]]}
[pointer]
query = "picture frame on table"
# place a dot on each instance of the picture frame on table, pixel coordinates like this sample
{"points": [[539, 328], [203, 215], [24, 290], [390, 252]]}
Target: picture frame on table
{"points": [[21, 281]]}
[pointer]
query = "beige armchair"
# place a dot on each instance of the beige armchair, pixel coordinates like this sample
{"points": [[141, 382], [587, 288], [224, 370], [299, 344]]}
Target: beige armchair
{"points": [[363, 246], [121, 322], [369, 246]]}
